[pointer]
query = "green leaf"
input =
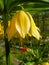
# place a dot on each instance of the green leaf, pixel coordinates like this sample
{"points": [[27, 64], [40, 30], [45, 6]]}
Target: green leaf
{"points": [[32, 7], [30, 63], [46, 1], [35, 7], [1, 4], [10, 2], [14, 3]]}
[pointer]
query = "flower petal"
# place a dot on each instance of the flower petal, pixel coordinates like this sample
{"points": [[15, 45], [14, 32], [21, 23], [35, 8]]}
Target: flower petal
{"points": [[11, 30], [22, 23], [34, 30]]}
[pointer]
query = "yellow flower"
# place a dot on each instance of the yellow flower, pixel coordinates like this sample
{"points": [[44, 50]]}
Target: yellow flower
{"points": [[22, 24], [1, 30]]}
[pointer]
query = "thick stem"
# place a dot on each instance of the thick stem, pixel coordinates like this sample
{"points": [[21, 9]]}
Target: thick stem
{"points": [[7, 48], [7, 44]]}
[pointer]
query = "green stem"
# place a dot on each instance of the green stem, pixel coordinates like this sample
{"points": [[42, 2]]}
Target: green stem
{"points": [[7, 44], [7, 48]]}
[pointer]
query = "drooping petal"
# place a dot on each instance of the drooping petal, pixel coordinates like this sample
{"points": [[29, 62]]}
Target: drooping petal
{"points": [[34, 30], [22, 23], [11, 30]]}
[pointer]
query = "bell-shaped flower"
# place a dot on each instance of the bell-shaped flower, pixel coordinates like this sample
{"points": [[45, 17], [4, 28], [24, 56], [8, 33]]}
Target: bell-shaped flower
{"points": [[21, 24]]}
